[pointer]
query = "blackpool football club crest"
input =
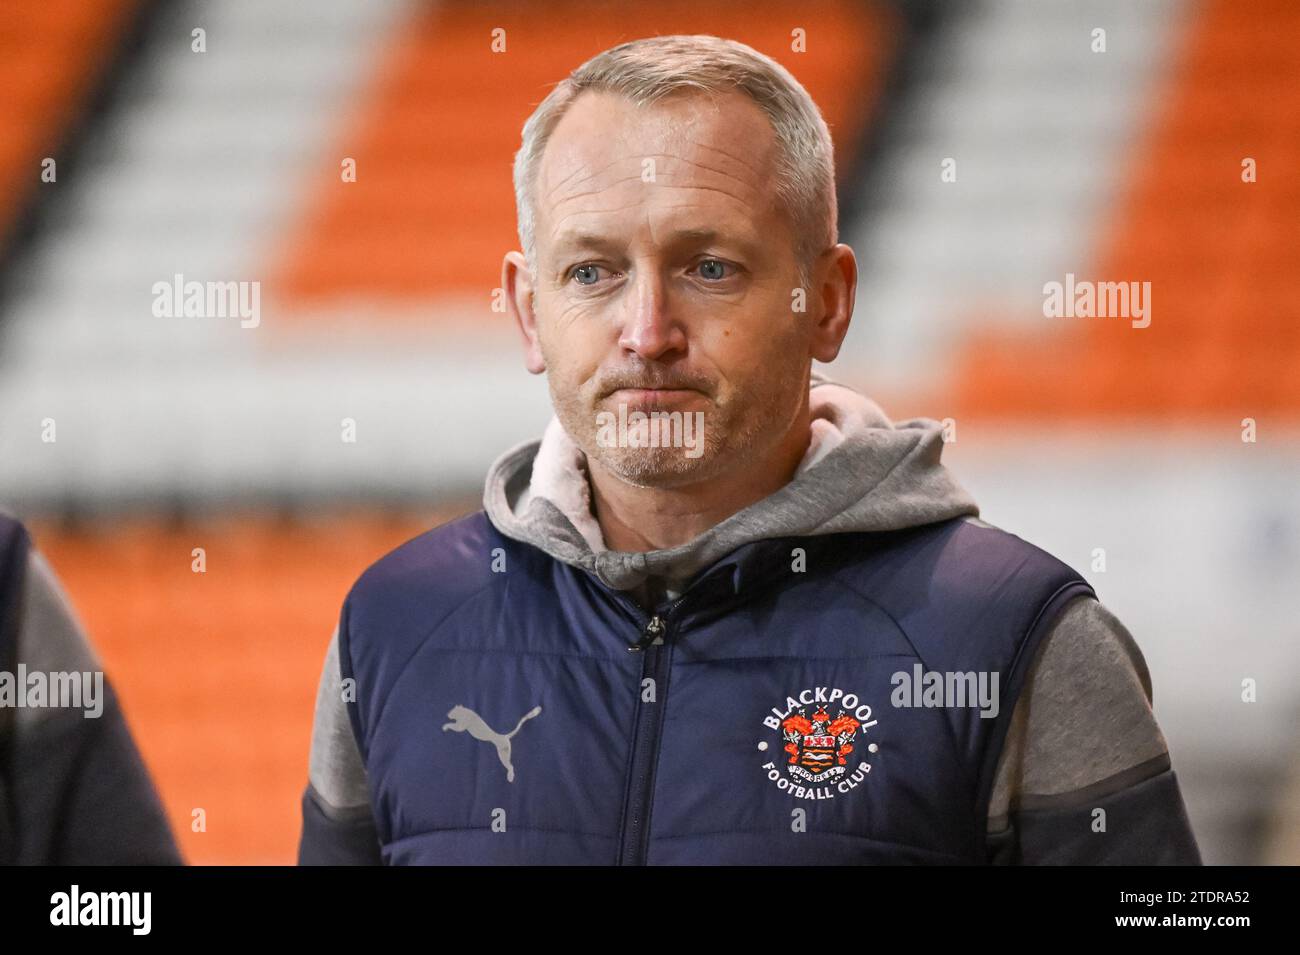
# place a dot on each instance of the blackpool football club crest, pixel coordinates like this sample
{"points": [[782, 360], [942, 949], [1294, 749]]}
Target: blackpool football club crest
{"points": [[823, 741]]}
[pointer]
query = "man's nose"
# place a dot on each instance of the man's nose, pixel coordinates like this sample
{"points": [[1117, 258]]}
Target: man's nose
{"points": [[650, 327]]}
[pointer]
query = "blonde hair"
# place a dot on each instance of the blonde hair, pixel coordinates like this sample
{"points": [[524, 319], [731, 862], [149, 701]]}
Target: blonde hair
{"points": [[646, 70]]}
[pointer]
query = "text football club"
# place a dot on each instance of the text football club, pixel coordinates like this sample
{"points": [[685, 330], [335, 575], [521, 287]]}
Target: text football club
{"points": [[821, 729]]}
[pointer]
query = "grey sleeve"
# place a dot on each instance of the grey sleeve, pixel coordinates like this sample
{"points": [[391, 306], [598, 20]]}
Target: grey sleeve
{"points": [[82, 793], [338, 828], [1083, 738]]}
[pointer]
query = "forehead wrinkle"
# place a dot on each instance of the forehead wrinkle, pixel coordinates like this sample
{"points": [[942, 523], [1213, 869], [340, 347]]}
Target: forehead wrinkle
{"points": [[722, 232], [563, 217], [750, 187], [596, 190], [639, 157], [578, 172], [636, 177], [686, 205], [732, 156], [700, 164]]}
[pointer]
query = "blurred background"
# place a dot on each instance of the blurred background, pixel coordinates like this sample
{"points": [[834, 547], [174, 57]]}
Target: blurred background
{"points": [[984, 148]]}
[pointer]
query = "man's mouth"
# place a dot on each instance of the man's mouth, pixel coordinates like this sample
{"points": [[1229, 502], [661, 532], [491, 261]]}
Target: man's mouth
{"points": [[652, 394], [650, 399]]}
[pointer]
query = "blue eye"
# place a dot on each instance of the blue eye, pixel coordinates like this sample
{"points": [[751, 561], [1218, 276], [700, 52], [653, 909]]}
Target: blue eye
{"points": [[716, 273], [592, 269]]}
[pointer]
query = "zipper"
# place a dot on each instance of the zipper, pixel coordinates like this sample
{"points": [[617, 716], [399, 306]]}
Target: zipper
{"points": [[652, 631], [653, 644]]}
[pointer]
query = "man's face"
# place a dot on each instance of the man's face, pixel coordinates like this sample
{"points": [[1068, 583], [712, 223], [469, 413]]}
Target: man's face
{"points": [[665, 281]]}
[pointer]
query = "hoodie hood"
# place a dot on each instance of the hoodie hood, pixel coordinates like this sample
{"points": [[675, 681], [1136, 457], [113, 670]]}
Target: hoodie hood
{"points": [[861, 472]]}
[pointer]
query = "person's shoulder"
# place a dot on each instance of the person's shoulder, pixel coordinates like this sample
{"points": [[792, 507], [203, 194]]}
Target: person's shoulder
{"points": [[976, 532], [964, 556], [15, 542], [453, 557]]}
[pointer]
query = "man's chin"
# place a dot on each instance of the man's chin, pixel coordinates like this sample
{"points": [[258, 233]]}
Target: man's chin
{"points": [[654, 467]]}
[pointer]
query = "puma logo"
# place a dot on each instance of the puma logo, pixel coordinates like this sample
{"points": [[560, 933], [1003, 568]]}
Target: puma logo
{"points": [[463, 720]]}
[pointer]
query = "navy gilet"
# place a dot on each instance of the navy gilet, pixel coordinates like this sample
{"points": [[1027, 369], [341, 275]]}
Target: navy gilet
{"points": [[512, 709]]}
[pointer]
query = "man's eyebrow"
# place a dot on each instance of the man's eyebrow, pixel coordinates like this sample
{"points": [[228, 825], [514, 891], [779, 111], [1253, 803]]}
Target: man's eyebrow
{"points": [[571, 240]]}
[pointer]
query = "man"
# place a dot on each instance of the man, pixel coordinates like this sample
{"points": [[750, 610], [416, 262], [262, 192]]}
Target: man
{"points": [[73, 788], [755, 635]]}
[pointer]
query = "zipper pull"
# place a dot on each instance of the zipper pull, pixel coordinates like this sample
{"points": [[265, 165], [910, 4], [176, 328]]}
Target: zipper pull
{"points": [[653, 631]]}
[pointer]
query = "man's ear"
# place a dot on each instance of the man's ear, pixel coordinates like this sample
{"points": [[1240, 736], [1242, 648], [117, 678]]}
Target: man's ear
{"points": [[520, 299], [836, 279]]}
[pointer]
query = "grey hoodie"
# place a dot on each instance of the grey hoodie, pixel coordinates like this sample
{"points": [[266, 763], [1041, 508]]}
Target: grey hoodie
{"points": [[1083, 726], [860, 473]]}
